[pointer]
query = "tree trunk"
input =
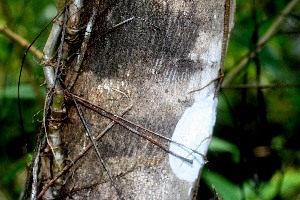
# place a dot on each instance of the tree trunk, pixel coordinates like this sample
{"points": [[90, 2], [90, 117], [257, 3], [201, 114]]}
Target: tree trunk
{"points": [[156, 61]]}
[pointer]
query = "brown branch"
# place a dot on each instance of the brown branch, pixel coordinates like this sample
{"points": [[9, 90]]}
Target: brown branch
{"points": [[273, 29], [20, 41]]}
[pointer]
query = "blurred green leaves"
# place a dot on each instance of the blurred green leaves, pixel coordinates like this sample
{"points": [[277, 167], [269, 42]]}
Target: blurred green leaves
{"points": [[225, 188], [255, 153], [220, 145], [27, 19], [26, 92]]}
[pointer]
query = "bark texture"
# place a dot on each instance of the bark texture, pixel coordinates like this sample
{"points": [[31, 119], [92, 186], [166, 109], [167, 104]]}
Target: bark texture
{"points": [[169, 49]]}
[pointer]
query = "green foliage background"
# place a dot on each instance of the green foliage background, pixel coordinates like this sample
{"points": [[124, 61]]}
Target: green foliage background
{"points": [[25, 18], [255, 153]]}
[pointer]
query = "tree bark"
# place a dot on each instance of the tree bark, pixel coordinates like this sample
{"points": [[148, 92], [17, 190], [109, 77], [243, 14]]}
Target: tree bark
{"points": [[156, 62]]}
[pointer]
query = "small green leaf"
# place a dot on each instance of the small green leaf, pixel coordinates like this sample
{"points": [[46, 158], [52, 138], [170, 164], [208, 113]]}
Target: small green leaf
{"points": [[226, 189], [220, 145]]}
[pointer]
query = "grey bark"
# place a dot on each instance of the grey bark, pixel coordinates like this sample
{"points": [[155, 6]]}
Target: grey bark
{"points": [[152, 63]]}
